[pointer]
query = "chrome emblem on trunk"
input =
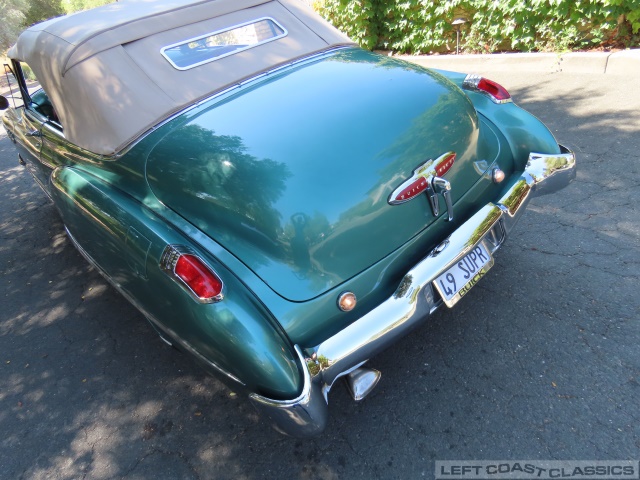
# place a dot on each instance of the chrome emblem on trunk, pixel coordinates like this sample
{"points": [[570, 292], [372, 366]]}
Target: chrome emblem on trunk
{"points": [[427, 178]]}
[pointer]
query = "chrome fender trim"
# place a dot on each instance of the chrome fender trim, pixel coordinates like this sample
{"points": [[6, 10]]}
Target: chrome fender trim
{"points": [[544, 174], [303, 416], [413, 301], [550, 173]]}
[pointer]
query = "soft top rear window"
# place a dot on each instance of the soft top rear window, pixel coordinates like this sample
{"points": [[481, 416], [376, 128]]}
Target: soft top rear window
{"points": [[213, 46]]}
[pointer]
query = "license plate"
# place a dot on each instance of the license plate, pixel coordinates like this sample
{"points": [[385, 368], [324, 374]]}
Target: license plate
{"points": [[457, 280]]}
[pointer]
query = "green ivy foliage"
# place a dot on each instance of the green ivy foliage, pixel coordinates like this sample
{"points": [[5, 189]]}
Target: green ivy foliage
{"points": [[423, 26], [356, 18]]}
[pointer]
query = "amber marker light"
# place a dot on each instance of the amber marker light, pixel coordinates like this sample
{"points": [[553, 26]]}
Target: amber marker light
{"points": [[347, 301], [497, 175]]}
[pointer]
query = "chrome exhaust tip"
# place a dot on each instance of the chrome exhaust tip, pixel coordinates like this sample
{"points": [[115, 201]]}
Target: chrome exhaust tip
{"points": [[361, 381]]}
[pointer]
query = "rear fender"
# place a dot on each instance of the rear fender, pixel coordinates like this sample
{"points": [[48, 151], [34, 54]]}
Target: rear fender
{"points": [[236, 339], [524, 132]]}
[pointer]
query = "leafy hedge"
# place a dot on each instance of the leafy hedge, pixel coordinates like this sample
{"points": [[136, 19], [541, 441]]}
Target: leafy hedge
{"points": [[423, 26]]}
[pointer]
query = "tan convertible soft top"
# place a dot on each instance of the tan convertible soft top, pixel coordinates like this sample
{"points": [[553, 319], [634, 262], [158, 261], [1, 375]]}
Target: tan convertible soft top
{"points": [[109, 83]]}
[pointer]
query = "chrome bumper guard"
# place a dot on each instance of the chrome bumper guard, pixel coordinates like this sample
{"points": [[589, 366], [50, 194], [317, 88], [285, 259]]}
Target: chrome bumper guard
{"points": [[413, 301]]}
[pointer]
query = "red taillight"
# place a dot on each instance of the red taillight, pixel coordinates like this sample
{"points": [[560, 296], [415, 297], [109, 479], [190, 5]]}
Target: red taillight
{"points": [[188, 270], [496, 91], [204, 283]]}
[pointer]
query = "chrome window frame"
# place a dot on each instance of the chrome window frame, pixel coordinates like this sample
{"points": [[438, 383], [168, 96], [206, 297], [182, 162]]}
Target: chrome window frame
{"points": [[52, 125], [217, 32]]}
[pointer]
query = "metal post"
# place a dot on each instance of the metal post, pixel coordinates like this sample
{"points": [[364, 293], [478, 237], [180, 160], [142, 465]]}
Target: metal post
{"points": [[457, 24]]}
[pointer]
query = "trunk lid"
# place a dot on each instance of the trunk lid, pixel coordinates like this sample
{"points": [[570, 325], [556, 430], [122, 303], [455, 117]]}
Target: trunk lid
{"points": [[292, 175]]}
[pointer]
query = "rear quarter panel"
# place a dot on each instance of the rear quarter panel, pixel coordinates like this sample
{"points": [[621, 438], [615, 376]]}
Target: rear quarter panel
{"points": [[236, 339], [524, 132]]}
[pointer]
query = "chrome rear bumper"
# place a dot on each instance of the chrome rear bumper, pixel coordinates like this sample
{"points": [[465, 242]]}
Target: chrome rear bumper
{"points": [[413, 301]]}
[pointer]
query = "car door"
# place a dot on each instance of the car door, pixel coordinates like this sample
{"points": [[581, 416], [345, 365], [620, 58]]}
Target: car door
{"points": [[32, 118], [53, 148], [29, 141]]}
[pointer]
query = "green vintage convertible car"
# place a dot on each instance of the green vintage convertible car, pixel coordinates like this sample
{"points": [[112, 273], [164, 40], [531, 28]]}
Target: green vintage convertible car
{"points": [[279, 203]]}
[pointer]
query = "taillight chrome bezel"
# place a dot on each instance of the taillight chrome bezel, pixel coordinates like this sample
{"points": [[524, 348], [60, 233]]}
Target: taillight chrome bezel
{"points": [[472, 83], [168, 262]]}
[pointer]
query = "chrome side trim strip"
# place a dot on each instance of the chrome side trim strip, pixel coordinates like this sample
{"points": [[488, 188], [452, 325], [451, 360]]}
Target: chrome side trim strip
{"points": [[413, 300], [174, 338]]}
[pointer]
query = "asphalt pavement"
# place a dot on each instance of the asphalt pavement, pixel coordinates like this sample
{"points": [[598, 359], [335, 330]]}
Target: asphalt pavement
{"points": [[541, 360]]}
